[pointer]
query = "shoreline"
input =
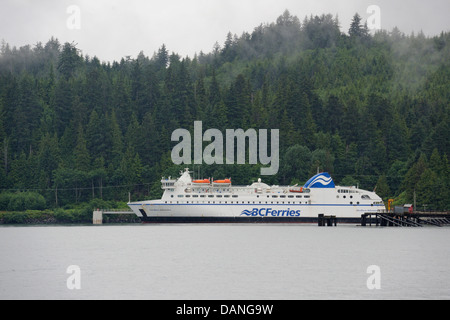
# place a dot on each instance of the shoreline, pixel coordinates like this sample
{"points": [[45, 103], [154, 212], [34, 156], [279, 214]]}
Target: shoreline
{"points": [[59, 217]]}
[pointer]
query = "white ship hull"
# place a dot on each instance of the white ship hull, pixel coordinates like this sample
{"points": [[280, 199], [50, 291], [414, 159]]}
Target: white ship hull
{"points": [[294, 213]]}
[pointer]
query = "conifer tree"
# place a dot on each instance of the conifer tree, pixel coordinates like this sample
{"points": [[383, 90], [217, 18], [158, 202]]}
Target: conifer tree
{"points": [[116, 140], [68, 61], [162, 58], [355, 26], [82, 158]]}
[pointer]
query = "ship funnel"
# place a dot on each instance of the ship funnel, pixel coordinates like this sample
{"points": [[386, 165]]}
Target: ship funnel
{"points": [[321, 180]]}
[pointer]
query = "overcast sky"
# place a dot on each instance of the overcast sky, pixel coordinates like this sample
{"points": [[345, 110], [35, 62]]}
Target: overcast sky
{"points": [[112, 29]]}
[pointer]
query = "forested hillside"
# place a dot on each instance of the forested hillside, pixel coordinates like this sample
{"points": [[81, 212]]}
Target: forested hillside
{"points": [[371, 109]]}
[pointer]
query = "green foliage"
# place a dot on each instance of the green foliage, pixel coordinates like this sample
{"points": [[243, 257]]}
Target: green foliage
{"points": [[14, 218], [22, 201], [371, 109]]}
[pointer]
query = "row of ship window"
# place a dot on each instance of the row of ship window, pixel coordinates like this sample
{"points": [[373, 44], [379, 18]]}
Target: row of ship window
{"points": [[347, 191], [254, 202], [233, 196], [366, 197], [237, 202]]}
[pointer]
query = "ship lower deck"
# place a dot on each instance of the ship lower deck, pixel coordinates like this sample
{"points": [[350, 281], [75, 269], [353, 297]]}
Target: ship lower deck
{"points": [[209, 219]]}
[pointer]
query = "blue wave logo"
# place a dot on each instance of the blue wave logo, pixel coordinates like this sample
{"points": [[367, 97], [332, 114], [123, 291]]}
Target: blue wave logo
{"points": [[321, 180], [246, 213]]}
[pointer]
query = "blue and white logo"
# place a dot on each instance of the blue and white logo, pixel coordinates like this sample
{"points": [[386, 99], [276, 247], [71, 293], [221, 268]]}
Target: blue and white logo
{"points": [[269, 212], [321, 180]]}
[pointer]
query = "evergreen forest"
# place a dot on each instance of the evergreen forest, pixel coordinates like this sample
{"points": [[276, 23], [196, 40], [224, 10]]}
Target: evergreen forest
{"points": [[372, 109]]}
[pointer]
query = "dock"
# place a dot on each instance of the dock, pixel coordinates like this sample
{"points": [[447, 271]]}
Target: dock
{"points": [[97, 215], [406, 219]]}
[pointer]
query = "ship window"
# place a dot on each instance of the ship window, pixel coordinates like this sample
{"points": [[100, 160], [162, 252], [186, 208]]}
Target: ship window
{"points": [[219, 196], [235, 195], [210, 196], [171, 195], [351, 202], [226, 196], [306, 196], [195, 195], [202, 196], [180, 196], [282, 196], [351, 197], [290, 196], [274, 196], [345, 197], [298, 196], [188, 196], [365, 196]]}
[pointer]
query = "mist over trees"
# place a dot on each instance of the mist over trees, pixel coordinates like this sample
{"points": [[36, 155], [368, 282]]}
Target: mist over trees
{"points": [[371, 109]]}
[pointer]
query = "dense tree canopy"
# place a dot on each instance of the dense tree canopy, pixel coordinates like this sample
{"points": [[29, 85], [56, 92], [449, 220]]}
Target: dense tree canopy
{"points": [[372, 109]]}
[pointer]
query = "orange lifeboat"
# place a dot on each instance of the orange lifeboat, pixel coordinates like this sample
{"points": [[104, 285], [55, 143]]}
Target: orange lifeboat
{"points": [[204, 181], [298, 190], [225, 181]]}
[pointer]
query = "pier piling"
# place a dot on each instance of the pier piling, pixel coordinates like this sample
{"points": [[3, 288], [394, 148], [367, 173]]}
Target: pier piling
{"points": [[326, 220]]}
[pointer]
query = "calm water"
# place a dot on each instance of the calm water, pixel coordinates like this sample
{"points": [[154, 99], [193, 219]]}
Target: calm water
{"points": [[224, 262]]}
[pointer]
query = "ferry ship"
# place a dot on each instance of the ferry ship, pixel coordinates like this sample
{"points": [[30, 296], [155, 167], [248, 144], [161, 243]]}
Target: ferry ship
{"points": [[206, 201]]}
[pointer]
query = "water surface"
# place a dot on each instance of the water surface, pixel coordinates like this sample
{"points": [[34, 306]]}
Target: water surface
{"points": [[207, 261]]}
